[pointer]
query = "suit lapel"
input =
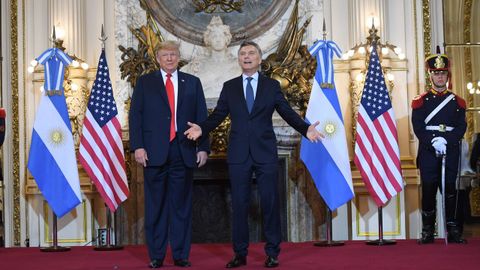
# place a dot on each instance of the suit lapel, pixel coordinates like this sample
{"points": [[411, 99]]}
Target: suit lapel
{"points": [[259, 94], [163, 91], [181, 89], [240, 94]]}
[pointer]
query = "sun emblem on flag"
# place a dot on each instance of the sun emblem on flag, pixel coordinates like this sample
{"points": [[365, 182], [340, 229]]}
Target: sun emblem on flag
{"points": [[330, 128], [56, 137]]}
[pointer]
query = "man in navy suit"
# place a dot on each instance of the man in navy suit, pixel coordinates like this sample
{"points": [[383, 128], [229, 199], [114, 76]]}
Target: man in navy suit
{"points": [[162, 104], [251, 100]]}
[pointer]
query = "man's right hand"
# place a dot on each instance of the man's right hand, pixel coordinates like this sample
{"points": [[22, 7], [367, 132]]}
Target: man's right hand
{"points": [[141, 156], [194, 132], [440, 145]]}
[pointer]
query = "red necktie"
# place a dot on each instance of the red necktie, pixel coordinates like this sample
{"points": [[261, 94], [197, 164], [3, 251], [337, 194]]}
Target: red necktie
{"points": [[171, 102]]}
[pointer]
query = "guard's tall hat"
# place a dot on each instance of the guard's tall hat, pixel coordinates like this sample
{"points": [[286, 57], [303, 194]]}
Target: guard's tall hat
{"points": [[437, 62]]}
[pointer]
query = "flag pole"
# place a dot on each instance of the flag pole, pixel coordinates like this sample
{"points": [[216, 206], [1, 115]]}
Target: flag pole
{"points": [[55, 247], [329, 242], [108, 246], [380, 241]]}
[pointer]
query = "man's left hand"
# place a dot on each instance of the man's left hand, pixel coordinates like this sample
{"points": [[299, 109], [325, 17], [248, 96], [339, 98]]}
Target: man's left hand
{"points": [[202, 157], [313, 134]]}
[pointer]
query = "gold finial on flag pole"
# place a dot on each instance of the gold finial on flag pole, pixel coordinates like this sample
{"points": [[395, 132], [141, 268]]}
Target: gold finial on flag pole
{"points": [[103, 38]]}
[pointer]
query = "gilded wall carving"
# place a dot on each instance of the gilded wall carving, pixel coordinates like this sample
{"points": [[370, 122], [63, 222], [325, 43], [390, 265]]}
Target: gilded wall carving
{"points": [[15, 120]]}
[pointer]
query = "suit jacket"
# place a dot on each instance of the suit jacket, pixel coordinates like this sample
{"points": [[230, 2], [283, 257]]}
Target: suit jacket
{"points": [[252, 132], [150, 115]]}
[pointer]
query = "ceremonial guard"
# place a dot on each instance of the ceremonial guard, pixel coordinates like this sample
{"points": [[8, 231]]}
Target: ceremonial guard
{"points": [[438, 119]]}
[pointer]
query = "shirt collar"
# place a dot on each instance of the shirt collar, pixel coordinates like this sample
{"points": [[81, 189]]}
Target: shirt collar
{"points": [[254, 76], [164, 74]]}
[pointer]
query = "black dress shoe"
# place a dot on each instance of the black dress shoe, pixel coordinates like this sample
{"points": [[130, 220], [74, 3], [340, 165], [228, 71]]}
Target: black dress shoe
{"points": [[271, 262], [456, 239], [155, 264], [182, 263], [237, 261]]}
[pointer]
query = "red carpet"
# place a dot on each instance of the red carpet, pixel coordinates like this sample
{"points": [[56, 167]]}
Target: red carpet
{"points": [[405, 254]]}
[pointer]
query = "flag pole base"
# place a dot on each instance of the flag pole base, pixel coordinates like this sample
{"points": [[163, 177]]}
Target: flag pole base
{"points": [[381, 242], [329, 244], [108, 248], [55, 249]]}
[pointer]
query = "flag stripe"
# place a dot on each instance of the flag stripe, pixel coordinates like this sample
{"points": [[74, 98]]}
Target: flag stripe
{"points": [[115, 152], [105, 158], [323, 166], [381, 161], [99, 174], [370, 164], [59, 81], [53, 125], [56, 189]]}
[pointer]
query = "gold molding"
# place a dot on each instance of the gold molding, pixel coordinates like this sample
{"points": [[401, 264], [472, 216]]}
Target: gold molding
{"points": [[46, 235], [417, 68], [396, 232], [468, 68], [27, 224], [15, 121], [427, 36]]}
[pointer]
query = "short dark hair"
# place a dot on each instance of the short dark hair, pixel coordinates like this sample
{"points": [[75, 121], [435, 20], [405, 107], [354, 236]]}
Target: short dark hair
{"points": [[250, 43]]}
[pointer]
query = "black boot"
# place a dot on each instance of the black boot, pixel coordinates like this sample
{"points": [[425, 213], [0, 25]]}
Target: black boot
{"points": [[428, 227], [455, 234], [454, 219]]}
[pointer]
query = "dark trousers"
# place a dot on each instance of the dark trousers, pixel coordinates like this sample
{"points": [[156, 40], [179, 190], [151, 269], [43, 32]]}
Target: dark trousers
{"points": [[168, 206], [453, 206], [240, 181], [431, 174]]}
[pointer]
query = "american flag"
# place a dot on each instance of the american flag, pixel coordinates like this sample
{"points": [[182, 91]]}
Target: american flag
{"points": [[377, 155], [101, 148]]}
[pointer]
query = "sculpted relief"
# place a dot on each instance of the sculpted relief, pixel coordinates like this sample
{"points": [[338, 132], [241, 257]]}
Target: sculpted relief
{"points": [[185, 20], [216, 64]]}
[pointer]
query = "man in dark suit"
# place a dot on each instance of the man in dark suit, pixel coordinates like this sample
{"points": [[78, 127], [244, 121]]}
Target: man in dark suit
{"points": [[251, 100], [162, 104]]}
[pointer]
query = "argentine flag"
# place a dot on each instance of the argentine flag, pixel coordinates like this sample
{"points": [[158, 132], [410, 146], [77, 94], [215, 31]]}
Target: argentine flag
{"points": [[52, 160], [327, 161]]}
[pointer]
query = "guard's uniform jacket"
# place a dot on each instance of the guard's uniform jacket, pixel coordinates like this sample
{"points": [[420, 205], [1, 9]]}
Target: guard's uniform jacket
{"points": [[449, 123]]}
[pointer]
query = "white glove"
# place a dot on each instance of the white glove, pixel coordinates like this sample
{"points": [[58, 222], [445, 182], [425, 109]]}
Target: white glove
{"points": [[440, 145]]}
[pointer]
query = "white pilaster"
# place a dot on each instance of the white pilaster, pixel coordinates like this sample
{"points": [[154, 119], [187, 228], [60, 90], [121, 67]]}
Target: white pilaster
{"points": [[70, 15], [436, 26]]}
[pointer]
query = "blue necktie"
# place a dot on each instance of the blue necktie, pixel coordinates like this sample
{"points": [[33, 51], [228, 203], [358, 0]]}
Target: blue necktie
{"points": [[249, 95]]}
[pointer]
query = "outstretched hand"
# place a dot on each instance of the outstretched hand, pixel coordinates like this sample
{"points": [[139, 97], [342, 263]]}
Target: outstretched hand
{"points": [[313, 134], [194, 132]]}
